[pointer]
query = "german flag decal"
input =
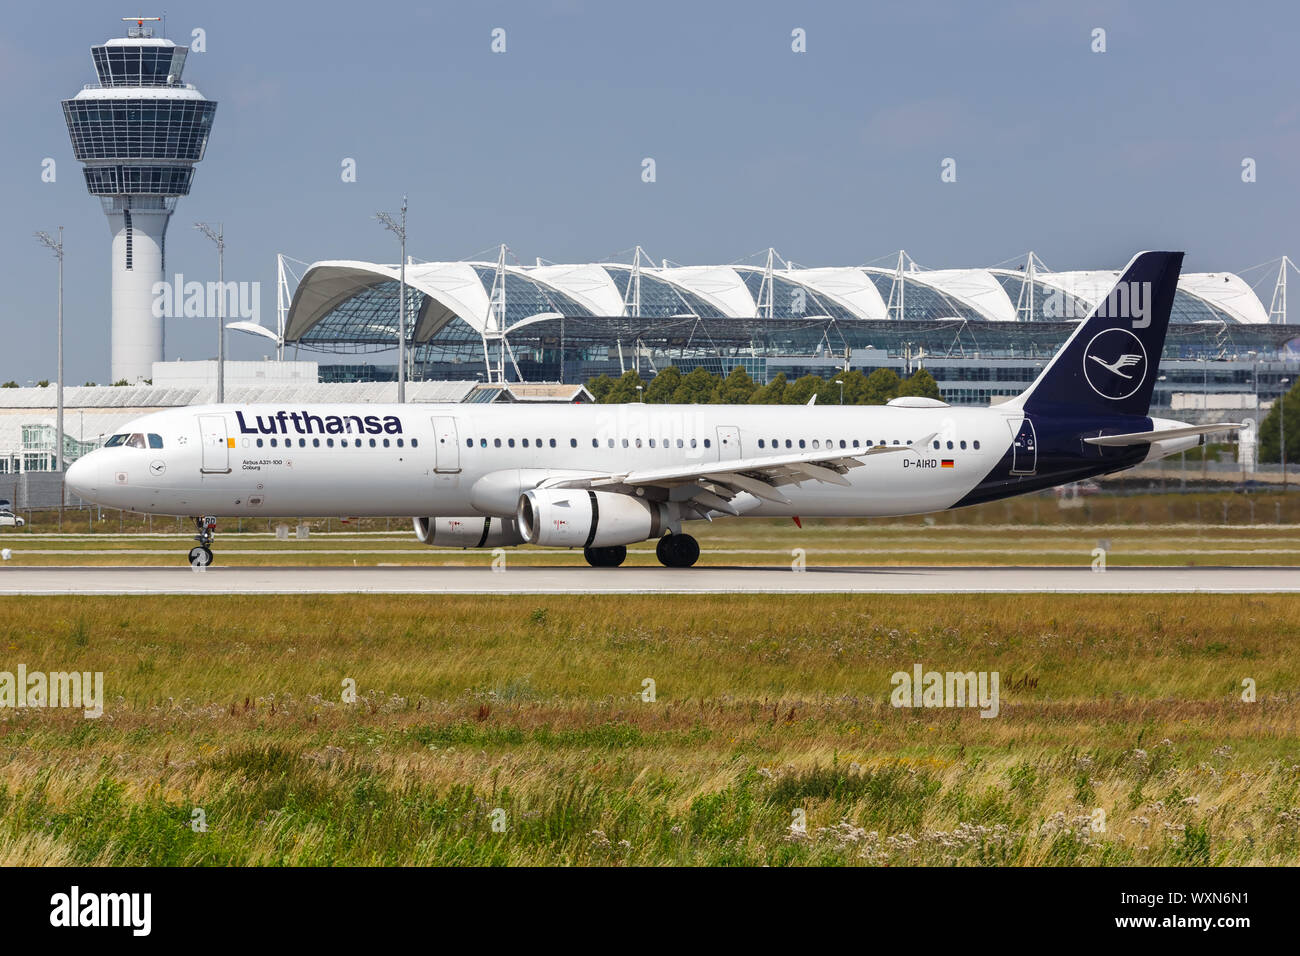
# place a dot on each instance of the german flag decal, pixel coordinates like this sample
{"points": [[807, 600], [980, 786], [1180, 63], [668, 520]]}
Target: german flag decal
{"points": [[946, 463]]}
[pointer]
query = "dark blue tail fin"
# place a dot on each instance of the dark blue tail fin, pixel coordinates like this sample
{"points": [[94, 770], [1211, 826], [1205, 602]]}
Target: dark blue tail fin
{"points": [[1110, 364]]}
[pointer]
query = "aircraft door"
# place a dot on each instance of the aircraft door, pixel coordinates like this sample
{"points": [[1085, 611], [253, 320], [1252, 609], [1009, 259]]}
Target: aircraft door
{"points": [[446, 445], [728, 442], [216, 445], [1024, 448]]}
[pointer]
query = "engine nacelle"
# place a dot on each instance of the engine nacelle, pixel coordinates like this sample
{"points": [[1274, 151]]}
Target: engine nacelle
{"points": [[468, 532], [576, 518]]}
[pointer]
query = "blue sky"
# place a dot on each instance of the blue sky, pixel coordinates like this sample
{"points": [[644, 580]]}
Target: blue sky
{"points": [[832, 156]]}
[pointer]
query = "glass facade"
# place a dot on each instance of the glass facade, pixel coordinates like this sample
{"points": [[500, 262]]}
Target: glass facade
{"points": [[790, 300], [144, 65], [922, 303], [525, 297], [366, 321], [139, 129], [142, 180], [659, 298]]}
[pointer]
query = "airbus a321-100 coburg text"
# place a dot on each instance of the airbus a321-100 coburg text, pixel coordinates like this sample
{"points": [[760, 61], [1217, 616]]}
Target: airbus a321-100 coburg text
{"points": [[601, 477]]}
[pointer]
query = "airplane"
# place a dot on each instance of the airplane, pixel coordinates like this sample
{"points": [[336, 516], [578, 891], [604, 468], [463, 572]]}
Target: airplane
{"points": [[602, 477]]}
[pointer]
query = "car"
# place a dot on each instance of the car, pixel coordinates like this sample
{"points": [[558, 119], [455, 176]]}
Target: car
{"points": [[10, 520]]}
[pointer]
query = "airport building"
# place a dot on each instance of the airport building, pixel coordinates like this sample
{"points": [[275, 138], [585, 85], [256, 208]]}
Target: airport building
{"points": [[982, 333]]}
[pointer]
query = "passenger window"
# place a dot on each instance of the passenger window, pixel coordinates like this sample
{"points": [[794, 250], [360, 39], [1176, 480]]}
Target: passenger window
{"points": [[624, 442], [760, 443], [259, 443], [869, 443], [680, 443], [415, 442], [706, 443], [963, 446], [816, 443], [155, 441], [802, 443], [611, 443], [469, 442], [652, 443], [573, 443], [496, 443], [950, 446], [638, 443], [329, 442], [788, 443], [315, 443], [552, 443], [510, 442], [692, 442], [343, 442], [936, 444], [977, 444], [524, 442], [482, 442], [843, 443], [855, 443]]}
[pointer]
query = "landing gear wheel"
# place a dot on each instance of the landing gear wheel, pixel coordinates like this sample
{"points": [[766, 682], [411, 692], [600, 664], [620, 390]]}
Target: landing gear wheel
{"points": [[201, 556], [610, 557], [677, 551]]}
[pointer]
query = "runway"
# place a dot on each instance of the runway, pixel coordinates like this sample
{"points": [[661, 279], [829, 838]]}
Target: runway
{"points": [[647, 580]]}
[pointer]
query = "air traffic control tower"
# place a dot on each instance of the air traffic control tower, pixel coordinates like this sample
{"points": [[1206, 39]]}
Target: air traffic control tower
{"points": [[138, 131]]}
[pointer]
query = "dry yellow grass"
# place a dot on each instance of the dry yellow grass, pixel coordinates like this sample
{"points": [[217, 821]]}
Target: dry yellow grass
{"points": [[766, 705]]}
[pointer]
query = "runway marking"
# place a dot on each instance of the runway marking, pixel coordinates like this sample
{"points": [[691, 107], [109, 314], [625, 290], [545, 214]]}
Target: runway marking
{"points": [[92, 581]]}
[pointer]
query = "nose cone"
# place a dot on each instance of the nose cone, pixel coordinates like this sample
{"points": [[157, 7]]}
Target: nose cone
{"points": [[82, 477]]}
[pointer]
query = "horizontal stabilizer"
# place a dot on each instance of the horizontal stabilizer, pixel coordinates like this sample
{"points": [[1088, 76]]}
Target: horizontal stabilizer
{"points": [[1146, 438]]}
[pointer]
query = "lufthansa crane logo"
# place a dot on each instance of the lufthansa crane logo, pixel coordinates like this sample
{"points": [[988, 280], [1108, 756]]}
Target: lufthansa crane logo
{"points": [[1115, 363]]}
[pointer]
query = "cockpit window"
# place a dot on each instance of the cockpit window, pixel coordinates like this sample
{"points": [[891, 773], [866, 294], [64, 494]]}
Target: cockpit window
{"points": [[116, 440], [135, 441], [155, 441]]}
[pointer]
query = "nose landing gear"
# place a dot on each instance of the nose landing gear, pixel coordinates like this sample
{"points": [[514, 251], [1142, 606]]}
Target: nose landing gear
{"points": [[677, 551], [201, 556]]}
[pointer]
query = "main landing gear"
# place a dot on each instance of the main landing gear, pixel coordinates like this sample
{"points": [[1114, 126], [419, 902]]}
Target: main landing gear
{"points": [[677, 551], [610, 557], [201, 556]]}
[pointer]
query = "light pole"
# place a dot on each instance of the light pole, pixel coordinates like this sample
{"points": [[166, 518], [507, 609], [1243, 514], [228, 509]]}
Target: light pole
{"points": [[1282, 429], [57, 246], [640, 397], [219, 237], [399, 229], [840, 383]]}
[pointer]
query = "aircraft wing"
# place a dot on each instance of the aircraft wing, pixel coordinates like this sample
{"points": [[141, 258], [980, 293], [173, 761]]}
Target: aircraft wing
{"points": [[713, 484], [1146, 438]]}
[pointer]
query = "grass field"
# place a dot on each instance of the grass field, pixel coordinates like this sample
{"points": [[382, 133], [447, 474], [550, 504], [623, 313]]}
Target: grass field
{"points": [[528, 713]]}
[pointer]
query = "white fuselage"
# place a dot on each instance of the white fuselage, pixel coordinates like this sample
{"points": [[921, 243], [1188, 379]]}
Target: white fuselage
{"points": [[467, 460]]}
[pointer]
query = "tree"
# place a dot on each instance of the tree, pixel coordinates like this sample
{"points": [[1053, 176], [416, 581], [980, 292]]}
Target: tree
{"points": [[880, 386], [920, 383], [803, 389], [698, 388], [43, 383], [121, 381], [1270, 429], [662, 386], [599, 387], [773, 393], [737, 387], [9, 384], [624, 390]]}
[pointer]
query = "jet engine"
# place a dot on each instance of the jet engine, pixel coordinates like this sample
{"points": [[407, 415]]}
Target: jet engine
{"points": [[577, 518], [468, 532]]}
